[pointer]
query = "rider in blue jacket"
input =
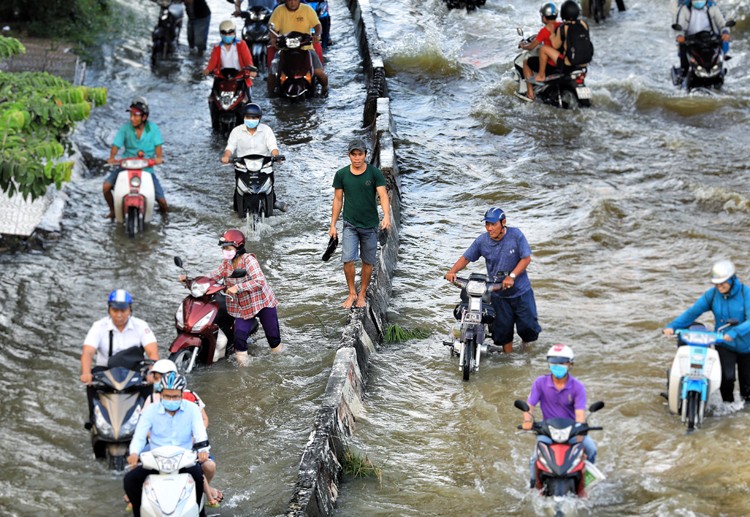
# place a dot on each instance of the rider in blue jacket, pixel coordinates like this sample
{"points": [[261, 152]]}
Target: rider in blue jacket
{"points": [[728, 299]]}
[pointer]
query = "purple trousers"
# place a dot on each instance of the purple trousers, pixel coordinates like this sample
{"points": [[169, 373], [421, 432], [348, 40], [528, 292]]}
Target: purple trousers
{"points": [[243, 328]]}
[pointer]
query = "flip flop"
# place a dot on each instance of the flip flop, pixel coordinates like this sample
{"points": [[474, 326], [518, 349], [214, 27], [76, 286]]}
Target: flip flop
{"points": [[332, 243], [216, 503]]}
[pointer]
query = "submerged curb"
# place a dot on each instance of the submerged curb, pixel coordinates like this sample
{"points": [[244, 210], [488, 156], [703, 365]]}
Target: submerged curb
{"points": [[317, 486]]}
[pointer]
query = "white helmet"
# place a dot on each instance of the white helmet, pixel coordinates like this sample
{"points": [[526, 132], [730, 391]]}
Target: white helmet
{"points": [[227, 26], [163, 366], [560, 354], [722, 271]]}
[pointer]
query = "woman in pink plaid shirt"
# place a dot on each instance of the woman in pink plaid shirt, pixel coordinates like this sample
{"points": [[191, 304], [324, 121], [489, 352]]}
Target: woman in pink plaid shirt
{"points": [[249, 296]]}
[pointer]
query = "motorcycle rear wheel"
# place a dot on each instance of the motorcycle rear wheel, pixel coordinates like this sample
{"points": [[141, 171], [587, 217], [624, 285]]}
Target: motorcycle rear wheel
{"points": [[181, 359], [568, 99], [597, 7]]}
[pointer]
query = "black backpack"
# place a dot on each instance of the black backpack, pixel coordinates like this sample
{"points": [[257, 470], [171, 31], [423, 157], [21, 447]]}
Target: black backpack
{"points": [[580, 49]]}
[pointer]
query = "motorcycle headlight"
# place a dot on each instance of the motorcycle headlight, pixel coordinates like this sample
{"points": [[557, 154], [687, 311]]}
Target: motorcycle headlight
{"points": [[205, 320], [179, 318], [227, 99], [560, 435], [135, 182], [128, 428], [102, 426], [199, 289], [475, 288], [255, 16], [292, 42]]}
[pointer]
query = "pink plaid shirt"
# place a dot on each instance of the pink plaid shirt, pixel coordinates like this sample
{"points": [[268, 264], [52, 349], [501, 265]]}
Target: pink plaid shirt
{"points": [[253, 293]]}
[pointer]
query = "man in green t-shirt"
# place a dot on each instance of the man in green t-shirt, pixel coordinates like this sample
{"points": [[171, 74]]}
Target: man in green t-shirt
{"points": [[356, 186]]}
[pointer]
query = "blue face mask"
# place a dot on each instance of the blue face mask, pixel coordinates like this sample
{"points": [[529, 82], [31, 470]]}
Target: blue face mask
{"points": [[171, 405], [227, 40], [558, 370], [252, 123], [699, 4]]}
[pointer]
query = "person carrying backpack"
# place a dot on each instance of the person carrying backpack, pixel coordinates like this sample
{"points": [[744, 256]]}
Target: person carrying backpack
{"points": [[571, 46], [698, 16]]}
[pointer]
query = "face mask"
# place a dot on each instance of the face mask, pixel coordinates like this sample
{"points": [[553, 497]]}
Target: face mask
{"points": [[228, 254], [227, 40], [699, 5], [157, 387], [171, 405], [558, 370], [252, 123]]}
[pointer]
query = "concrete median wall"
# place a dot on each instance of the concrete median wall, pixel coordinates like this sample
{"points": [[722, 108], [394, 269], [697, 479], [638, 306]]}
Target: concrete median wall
{"points": [[317, 486]]}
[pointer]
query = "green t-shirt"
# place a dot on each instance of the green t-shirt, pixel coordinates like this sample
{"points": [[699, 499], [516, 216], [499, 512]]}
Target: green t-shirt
{"points": [[360, 207]]}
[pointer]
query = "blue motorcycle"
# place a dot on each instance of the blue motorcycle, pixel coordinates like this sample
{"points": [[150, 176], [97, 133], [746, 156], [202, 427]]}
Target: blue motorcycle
{"points": [[695, 373]]}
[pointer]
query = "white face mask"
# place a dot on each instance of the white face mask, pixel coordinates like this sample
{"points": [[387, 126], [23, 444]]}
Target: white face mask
{"points": [[228, 253]]}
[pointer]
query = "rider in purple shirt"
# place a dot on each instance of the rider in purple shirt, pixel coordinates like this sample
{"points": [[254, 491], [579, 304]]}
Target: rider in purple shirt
{"points": [[560, 395]]}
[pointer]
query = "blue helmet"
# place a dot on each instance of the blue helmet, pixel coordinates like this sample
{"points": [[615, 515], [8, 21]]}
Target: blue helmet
{"points": [[494, 215], [120, 299], [172, 381], [549, 10]]}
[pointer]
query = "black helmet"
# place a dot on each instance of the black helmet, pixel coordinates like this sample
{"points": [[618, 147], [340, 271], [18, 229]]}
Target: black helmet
{"points": [[570, 11], [139, 104], [549, 10], [253, 110]]}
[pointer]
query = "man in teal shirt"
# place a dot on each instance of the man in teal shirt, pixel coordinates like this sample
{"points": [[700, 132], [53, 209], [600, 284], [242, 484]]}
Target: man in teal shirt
{"points": [[356, 186], [139, 135]]}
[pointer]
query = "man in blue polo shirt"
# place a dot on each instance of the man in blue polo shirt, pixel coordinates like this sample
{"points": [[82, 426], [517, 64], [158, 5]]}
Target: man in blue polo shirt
{"points": [[560, 395], [507, 254], [139, 134]]}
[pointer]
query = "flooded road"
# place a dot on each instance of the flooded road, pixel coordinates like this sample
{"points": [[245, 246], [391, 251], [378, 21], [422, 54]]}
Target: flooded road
{"points": [[625, 206]]}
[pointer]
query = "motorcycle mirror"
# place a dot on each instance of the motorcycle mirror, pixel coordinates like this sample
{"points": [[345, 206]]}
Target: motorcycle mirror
{"points": [[521, 404], [596, 406], [178, 262], [677, 26], [238, 273], [730, 23], [519, 30]]}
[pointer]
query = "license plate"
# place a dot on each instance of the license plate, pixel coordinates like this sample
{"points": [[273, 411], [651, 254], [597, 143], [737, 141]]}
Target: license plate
{"points": [[583, 92]]}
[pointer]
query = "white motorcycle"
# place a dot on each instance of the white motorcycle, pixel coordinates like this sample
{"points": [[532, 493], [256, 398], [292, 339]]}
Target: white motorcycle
{"points": [[134, 194], [169, 493]]}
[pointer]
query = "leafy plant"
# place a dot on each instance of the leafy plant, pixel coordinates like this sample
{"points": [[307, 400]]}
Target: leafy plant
{"points": [[37, 113], [10, 47], [396, 334], [360, 466]]}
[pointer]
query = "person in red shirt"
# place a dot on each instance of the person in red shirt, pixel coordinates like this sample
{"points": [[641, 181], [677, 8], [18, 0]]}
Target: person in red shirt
{"points": [[230, 53], [531, 65]]}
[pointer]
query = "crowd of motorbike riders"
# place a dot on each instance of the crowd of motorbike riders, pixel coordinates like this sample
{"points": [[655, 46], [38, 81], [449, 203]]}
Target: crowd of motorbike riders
{"points": [[122, 339]]}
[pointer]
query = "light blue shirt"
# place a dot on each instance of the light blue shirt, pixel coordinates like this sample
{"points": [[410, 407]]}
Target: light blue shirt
{"points": [[180, 429], [502, 257], [127, 140]]}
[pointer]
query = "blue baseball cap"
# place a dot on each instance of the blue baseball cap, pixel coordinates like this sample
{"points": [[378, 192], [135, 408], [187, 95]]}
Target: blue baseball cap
{"points": [[494, 215]]}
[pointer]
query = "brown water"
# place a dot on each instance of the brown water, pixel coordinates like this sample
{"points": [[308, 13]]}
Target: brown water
{"points": [[625, 206]]}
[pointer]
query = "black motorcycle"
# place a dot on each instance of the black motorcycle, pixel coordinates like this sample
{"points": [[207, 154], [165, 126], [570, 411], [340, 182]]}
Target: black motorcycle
{"points": [[119, 394], [167, 31], [255, 32], [705, 61], [254, 195], [292, 68]]}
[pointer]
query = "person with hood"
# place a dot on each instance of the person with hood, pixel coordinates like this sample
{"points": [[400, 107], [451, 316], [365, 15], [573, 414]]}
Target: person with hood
{"points": [[728, 299], [698, 16]]}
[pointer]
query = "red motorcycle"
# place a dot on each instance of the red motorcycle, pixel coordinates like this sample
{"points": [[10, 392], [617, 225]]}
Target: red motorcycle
{"points": [[561, 468], [133, 194], [228, 98], [204, 328]]}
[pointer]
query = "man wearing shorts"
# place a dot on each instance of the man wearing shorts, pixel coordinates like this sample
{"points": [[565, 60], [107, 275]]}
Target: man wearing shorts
{"points": [[355, 188], [507, 254]]}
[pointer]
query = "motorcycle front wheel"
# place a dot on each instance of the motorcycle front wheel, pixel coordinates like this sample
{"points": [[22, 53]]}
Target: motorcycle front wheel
{"points": [[117, 462], [182, 360], [469, 352], [134, 223], [693, 401]]}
